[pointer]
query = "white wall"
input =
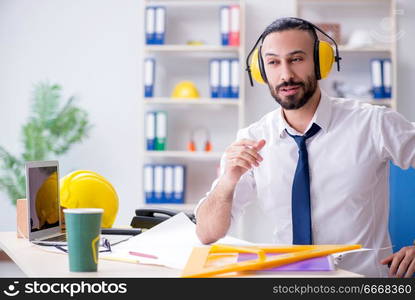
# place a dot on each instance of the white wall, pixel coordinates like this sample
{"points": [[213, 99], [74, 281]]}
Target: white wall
{"points": [[92, 48], [406, 60]]}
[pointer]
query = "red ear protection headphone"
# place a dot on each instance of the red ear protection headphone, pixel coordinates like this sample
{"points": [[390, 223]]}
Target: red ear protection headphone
{"points": [[191, 146]]}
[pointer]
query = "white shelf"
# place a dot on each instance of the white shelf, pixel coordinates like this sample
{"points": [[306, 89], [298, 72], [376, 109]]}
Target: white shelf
{"points": [[184, 154], [345, 48], [196, 101], [190, 48], [340, 3], [186, 207], [191, 2], [383, 101], [387, 102]]}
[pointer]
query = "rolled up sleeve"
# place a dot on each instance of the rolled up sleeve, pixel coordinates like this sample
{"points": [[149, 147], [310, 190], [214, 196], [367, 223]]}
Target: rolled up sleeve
{"points": [[245, 190]]}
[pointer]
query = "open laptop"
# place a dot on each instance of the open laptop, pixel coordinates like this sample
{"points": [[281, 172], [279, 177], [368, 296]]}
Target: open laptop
{"points": [[44, 213], [45, 218]]}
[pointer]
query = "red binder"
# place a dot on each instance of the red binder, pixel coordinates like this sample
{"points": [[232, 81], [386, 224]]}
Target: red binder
{"points": [[234, 29]]}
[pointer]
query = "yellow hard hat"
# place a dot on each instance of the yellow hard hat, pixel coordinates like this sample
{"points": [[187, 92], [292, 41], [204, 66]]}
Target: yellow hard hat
{"points": [[47, 212], [87, 189], [185, 89]]}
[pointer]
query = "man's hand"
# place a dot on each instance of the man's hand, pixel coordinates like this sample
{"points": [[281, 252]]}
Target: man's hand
{"points": [[241, 156], [402, 263], [214, 214]]}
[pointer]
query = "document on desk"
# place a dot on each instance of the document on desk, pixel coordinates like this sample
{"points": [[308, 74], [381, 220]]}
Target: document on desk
{"points": [[169, 244]]}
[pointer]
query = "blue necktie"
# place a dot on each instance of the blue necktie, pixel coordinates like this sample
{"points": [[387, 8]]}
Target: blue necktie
{"points": [[301, 212]]}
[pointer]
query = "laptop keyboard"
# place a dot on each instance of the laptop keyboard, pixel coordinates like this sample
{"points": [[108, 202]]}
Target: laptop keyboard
{"points": [[59, 238]]}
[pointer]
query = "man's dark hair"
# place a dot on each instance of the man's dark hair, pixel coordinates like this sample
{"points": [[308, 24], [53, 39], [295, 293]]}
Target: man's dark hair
{"points": [[289, 23]]}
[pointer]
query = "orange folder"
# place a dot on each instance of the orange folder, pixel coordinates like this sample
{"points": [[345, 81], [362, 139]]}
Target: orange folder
{"points": [[208, 261]]}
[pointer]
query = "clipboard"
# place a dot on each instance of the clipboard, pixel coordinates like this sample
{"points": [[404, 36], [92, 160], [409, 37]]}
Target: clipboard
{"points": [[209, 261]]}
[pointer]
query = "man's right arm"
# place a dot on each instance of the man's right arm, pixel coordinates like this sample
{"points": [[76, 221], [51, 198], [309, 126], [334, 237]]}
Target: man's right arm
{"points": [[214, 214]]}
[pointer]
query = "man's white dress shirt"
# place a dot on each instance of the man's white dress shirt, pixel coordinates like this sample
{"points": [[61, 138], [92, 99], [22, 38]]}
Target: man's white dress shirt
{"points": [[349, 176]]}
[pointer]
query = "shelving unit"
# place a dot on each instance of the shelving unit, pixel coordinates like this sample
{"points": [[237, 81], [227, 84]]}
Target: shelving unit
{"points": [[224, 116], [184, 154], [378, 18], [185, 101], [345, 48], [190, 48], [187, 208]]}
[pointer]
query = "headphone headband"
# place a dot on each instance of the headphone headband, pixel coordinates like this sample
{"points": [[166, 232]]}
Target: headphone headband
{"points": [[337, 58], [191, 145]]}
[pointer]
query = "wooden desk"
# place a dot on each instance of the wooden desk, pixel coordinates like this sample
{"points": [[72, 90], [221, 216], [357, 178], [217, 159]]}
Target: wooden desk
{"points": [[36, 262]]}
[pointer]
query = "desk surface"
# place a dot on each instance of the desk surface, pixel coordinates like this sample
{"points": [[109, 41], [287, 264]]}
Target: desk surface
{"points": [[36, 262]]}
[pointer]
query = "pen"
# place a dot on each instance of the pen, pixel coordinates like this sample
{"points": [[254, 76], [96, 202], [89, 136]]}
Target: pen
{"points": [[142, 254]]}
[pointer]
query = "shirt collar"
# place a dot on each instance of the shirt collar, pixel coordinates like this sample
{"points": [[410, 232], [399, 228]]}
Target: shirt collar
{"points": [[321, 117]]}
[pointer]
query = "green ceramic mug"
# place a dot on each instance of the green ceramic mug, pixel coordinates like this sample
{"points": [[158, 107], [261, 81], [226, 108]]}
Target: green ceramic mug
{"points": [[83, 228]]}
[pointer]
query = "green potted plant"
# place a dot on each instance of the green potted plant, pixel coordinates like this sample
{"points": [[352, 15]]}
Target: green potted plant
{"points": [[51, 130]]}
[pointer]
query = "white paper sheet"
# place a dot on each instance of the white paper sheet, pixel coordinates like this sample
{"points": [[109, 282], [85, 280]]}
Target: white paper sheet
{"points": [[171, 242], [339, 256]]}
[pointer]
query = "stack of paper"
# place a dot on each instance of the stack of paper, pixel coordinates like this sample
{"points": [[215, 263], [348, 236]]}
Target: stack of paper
{"points": [[171, 244], [168, 244]]}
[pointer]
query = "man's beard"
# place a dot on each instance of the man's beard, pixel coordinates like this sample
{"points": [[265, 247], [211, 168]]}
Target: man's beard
{"points": [[306, 90]]}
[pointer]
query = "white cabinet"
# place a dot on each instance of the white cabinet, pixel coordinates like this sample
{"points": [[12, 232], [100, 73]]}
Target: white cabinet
{"points": [[367, 31], [192, 40]]}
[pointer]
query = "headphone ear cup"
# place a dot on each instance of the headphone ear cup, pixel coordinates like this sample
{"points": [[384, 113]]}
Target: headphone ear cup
{"points": [[261, 66], [191, 146], [208, 146], [326, 58], [255, 65]]}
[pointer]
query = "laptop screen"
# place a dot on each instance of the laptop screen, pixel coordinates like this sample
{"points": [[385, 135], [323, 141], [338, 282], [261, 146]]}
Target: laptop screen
{"points": [[43, 195]]}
